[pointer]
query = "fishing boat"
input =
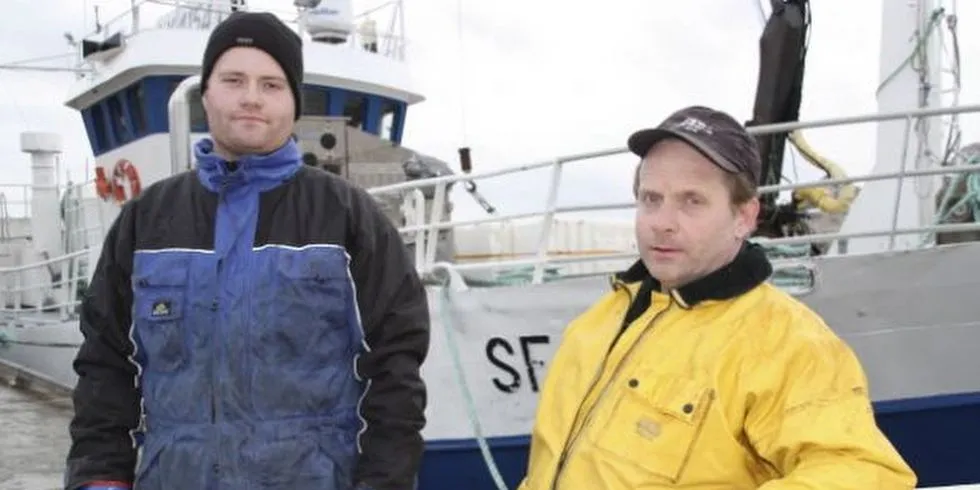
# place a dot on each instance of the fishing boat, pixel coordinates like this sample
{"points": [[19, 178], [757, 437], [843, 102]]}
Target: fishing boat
{"points": [[889, 264]]}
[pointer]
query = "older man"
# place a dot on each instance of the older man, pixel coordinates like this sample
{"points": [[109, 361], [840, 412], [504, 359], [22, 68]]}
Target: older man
{"points": [[694, 372]]}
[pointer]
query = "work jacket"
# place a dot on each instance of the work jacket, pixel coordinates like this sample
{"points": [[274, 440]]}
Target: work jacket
{"points": [[255, 325], [726, 383]]}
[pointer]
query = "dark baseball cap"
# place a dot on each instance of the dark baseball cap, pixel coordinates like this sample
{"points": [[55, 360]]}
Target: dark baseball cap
{"points": [[717, 135]]}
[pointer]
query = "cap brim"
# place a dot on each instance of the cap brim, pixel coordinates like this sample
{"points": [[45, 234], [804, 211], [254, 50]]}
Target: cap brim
{"points": [[641, 141]]}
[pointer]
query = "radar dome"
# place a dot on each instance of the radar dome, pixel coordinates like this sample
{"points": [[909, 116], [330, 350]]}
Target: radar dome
{"points": [[331, 21]]}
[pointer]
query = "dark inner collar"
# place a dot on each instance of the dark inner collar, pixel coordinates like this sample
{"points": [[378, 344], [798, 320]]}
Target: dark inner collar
{"points": [[750, 268]]}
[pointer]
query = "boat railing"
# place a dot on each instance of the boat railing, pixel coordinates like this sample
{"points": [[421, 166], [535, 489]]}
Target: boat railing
{"points": [[34, 280], [49, 286], [426, 231], [146, 15], [4, 219], [17, 199]]}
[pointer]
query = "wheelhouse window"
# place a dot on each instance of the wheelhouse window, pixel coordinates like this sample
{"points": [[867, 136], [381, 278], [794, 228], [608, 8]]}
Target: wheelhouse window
{"points": [[134, 99], [354, 109], [98, 123], [123, 130], [388, 108], [199, 119], [142, 108], [316, 101]]}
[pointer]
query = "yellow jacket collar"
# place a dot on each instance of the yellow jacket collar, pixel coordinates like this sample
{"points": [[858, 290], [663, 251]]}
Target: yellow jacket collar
{"points": [[750, 268]]}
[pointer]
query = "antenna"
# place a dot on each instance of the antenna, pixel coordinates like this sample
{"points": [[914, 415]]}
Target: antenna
{"points": [[135, 13]]}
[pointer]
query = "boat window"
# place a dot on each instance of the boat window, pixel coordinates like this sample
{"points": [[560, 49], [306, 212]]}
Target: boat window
{"points": [[199, 119], [99, 124], [142, 108], [135, 97], [388, 108], [354, 109], [122, 129], [315, 101]]}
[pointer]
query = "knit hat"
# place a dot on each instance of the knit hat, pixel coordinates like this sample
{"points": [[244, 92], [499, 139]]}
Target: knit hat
{"points": [[260, 30]]}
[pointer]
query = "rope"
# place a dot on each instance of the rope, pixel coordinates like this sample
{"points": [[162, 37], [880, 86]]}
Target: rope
{"points": [[970, 198], [917, 51], [523, 275], [471, 411], [6, 341], [790, 277]]}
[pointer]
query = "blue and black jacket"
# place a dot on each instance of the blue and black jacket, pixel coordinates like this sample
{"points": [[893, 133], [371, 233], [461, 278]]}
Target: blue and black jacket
{"points": [[255, 328]]}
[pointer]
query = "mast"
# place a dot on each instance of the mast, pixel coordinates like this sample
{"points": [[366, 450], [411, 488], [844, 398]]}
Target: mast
{"points": [[910, 69]]}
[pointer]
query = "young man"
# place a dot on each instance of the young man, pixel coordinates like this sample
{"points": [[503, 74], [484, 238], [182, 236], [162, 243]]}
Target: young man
{"points": [[694, 372], [256, 322]]}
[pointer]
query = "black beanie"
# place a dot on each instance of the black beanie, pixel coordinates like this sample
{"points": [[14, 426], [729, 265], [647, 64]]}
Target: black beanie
{"points": [[264, 31]]}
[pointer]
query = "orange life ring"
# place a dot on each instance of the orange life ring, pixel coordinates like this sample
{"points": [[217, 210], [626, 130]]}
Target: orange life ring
{"points": [[123, 170]]}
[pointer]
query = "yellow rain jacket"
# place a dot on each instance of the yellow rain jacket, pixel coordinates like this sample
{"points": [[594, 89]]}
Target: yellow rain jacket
{"points": [[728, 383]]}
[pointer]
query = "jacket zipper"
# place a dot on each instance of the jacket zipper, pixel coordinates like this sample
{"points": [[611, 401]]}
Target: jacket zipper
{"points": [[216, 345], [571, 444], [592, 384], [215, 401], [595, 378]]}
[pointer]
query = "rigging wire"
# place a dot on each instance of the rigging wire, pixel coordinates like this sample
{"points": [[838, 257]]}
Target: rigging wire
{"points": [[37, 59]]}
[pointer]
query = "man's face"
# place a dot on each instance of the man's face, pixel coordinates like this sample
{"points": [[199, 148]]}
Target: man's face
{"points": [[248, 102], [686, 224]]}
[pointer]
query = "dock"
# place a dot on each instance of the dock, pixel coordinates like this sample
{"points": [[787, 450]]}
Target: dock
{"points": [[33, 437]]}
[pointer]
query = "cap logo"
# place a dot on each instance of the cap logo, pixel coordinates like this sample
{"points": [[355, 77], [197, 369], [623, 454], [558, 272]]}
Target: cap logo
{"points": [[245, 40], [694, 125]]}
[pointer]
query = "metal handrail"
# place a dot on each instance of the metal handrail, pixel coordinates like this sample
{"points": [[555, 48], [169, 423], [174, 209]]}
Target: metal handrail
{"points": [[132, 21], [761, 129], [551, 209]]}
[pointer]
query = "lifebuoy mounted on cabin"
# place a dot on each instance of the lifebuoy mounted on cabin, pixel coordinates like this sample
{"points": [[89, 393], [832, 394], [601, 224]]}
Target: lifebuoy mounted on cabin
{"points": [[123, 171]]}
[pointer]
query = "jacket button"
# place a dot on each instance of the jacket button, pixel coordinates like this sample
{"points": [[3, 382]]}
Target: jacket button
{"points": [[633, 383], [687, 408]]}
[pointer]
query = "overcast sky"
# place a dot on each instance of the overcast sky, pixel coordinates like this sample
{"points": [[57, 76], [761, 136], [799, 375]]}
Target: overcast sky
{"points": [[527, 80]]}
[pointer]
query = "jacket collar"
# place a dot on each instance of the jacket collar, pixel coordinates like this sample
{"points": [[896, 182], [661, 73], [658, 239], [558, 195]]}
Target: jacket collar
{"points": [[259, 172], [750, 268]]}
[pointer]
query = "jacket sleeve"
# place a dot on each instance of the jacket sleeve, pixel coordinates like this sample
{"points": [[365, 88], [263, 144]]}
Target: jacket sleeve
{"points": [[815, 426], [395, 319], [106, 397]]}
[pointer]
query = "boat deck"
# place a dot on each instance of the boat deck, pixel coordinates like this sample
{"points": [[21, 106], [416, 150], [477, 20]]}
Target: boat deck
{"points": [[33, 438]]}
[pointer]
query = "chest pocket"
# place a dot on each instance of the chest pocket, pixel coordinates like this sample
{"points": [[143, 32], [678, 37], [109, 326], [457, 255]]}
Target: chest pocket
{"points": [[655, 423], [313, 310], [159, 304]]}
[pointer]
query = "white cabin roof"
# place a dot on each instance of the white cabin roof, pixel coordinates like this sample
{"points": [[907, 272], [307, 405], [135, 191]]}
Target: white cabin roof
{"points": [[148, 49]]}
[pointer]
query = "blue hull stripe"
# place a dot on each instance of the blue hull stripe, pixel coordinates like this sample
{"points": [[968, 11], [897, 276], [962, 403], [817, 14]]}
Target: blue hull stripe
{"points": [[937, 435]]}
